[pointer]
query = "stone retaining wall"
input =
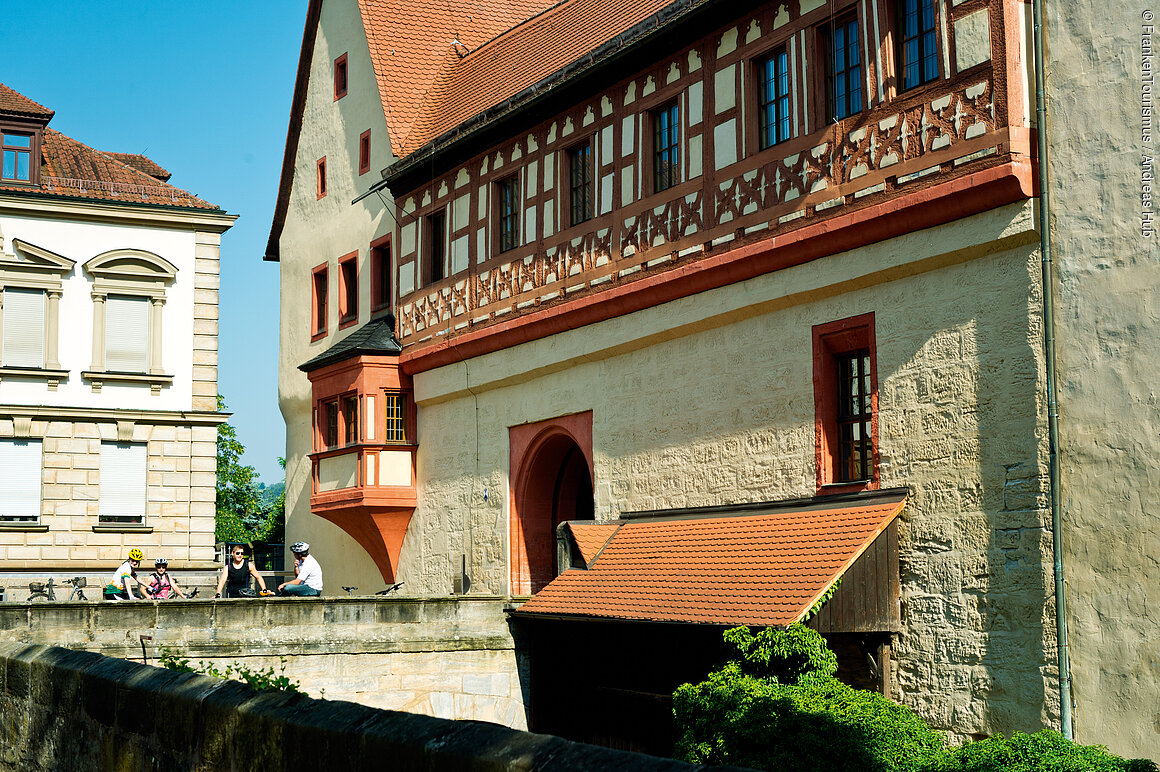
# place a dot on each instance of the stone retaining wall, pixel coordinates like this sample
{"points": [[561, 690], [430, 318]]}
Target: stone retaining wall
{"points": [[81, 711]]}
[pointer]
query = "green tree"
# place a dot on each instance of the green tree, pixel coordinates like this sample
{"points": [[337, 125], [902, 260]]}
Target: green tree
{"points": [[239, 504]]}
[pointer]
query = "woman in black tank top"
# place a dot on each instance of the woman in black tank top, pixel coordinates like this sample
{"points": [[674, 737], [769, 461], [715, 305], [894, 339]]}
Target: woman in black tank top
{"points": [[236, 576]]}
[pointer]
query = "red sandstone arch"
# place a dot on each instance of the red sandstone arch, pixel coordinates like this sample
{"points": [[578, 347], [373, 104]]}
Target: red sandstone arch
{"points": [[552, 474]]}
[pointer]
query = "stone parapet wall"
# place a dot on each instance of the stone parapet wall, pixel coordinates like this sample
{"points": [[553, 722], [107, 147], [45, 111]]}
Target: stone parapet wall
{"points": [[450, 658], [78, 710]]}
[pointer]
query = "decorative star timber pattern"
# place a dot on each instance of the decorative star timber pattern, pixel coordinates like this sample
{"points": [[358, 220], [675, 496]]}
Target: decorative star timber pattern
{"points": [[862, 153]]}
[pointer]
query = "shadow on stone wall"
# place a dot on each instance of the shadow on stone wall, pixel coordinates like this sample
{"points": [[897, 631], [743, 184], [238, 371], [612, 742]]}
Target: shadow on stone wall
{"points": [[77, 711]]}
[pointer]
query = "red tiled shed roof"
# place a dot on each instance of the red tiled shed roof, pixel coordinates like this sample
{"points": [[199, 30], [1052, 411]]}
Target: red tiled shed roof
{"points": [[410, 45], [766, 569], [13, 103]]}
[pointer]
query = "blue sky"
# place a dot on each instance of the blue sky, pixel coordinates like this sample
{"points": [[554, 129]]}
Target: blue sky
{"points": [[204, 90]]}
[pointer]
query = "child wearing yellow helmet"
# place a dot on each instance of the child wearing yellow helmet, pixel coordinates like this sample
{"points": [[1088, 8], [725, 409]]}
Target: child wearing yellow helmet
{"points": [[120, 587]]}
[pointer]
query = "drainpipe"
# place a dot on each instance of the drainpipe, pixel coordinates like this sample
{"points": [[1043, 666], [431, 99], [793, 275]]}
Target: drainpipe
{"points": [[1065, 704]]}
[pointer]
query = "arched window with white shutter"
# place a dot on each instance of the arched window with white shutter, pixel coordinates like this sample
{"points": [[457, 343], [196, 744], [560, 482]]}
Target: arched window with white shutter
{"points": [[128, 298]]}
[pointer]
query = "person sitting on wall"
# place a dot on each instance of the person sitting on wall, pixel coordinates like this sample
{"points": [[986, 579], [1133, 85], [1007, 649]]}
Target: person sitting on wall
{"points": [[308, 574], [161, 584], [120, 587], [235, 578]]}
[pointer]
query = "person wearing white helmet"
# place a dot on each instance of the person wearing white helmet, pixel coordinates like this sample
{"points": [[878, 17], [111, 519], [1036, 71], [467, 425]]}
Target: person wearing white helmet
{"points": [[161, 583], [307, 573]]}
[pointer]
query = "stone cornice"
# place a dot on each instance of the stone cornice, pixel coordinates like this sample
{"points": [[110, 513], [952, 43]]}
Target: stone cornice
{"points": [[43, 412], [138, 214]]}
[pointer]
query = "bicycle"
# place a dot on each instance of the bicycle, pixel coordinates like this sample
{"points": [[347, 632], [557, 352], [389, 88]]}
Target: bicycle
{"points": [[77, 582], [41, 590]]}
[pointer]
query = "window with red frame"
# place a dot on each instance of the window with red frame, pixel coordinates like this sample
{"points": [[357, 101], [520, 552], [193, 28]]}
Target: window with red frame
{"points": [[846, 403], [348, 289], [350, 418], [319, 301], [330, 424], [340, 77], [381, 274], [364, 152], [322, 177]]}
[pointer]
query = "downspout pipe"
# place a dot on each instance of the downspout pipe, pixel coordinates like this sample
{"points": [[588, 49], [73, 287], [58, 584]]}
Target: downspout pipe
{"points": [[1065, 703]]}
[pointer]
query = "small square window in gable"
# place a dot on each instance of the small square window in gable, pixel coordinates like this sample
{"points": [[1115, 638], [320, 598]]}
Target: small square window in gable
{"points": [[364, 152], [340, 77], [846, 404]]}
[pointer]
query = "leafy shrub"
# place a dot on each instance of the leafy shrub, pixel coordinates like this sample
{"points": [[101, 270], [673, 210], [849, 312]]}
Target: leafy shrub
{"points": [[261, 679], [778, 706], [817, 724], [1044, 751], [784, 655]]}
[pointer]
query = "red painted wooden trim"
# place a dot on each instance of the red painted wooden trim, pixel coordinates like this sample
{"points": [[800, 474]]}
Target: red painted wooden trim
{"points": [[939, 204], [829, 340]]}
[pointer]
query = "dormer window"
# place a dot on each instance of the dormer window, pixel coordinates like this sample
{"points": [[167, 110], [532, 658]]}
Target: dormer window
{"points": [[17, 149]]}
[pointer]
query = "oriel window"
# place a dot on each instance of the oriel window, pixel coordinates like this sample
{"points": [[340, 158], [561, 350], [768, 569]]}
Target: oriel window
{"points": [[396, 418], [330, 429], [350, 418]]}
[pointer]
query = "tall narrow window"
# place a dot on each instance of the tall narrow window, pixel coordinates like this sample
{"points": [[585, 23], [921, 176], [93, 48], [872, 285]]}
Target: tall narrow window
{"points": [[580, 182], [852, 462], [23, 342], [319, 301], [126, 334], [20, 477], [436, 246], [330, 428], [846, 404], [348, 289], [322, 177], [396, 418], [774, 109], [340, 77], [666, 148], [381, 274], [919, 49], [17, 156], [508, 213], [364, 152], [350, 418], [843, 70], [122, 487]]}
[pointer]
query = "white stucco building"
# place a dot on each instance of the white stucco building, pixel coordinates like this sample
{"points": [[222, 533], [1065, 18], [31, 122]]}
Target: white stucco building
{"points": [[108, 365]]}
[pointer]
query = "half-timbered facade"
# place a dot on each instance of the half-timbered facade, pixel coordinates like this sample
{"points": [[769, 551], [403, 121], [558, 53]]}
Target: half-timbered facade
{"points": [[684, 260]]}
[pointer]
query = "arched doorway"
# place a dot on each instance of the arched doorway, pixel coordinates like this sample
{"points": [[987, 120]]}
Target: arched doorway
{"points": [[552, 475]]}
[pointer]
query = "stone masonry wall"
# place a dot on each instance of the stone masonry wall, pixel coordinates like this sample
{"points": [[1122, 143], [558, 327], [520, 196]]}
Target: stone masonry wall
{"points": [[450, 658], [709, 400], [180, 492], [80, 711]]}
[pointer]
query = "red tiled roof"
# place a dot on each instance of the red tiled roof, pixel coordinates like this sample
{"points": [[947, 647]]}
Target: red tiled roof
{"points": [[591, 537], [73, 169], [142, 164], [766, 569], [521, 57], [410, 45], [14, 103]]}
